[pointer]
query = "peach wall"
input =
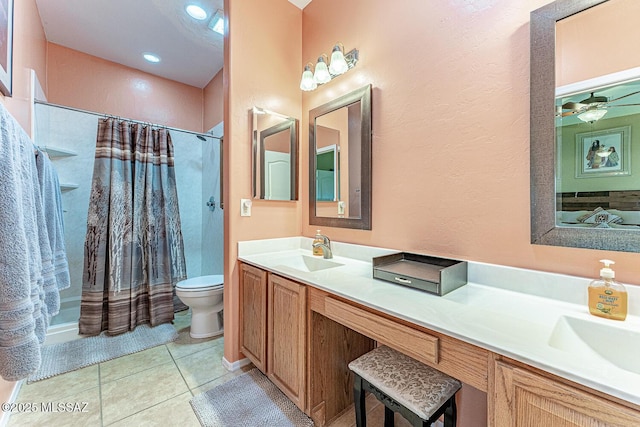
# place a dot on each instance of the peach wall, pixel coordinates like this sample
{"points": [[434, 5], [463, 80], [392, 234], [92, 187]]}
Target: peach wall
{"points": [[597, 42], [78, 80], [29, 47], [213, 103], [450, 129], [262, 68]]}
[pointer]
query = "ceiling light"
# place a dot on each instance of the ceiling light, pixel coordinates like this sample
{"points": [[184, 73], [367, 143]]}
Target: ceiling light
{"points": [[196, 12], [217, 22], [151, 57], [592, 115], [307, 83]]}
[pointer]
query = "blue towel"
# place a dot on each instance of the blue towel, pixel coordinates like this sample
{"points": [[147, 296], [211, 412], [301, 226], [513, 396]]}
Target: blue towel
{"points": [[52, 208], [49, 284], [22, 324]]}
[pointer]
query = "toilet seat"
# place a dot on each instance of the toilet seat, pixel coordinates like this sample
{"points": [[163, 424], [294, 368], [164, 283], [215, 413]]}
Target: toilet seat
{"points": [[201, 283]]}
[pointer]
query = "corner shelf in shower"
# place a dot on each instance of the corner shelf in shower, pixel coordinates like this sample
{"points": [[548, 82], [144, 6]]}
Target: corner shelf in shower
{"points": [[53, 151], [68, 186]]}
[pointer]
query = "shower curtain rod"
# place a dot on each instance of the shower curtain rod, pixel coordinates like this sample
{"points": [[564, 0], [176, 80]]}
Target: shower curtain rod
{"points": [[129, 120]]}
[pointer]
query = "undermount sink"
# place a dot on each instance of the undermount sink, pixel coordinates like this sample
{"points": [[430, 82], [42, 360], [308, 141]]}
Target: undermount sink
{"points": [[309, 263], [616, 344]]}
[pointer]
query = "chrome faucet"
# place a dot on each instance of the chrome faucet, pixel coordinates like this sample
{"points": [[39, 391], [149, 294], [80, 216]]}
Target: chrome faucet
{"points": [[325, 246], [326, 250]]}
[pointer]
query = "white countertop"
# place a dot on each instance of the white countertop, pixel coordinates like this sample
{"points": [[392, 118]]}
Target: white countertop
{"points": [[506, 310]]}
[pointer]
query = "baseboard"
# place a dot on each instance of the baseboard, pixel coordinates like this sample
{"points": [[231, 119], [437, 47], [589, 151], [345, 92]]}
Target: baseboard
{"points": [[4, 416], [235, 365]]}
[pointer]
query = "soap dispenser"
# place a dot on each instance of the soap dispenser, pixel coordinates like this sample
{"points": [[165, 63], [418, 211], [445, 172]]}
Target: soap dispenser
{"points": [[607, 298], [317, 250]]}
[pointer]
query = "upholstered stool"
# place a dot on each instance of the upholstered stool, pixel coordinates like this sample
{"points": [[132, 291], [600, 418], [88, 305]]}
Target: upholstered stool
{"points": [[418, 392]]}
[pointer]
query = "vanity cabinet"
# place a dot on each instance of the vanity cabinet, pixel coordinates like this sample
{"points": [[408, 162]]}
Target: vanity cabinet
{"points": [[273, 329], [286, 334], [303, 339], [525, 398], [253, 312]]}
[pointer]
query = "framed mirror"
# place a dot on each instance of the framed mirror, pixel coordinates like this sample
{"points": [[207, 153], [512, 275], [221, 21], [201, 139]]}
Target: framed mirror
{"points": [[547, 145], [340, 162], [275, 156]]}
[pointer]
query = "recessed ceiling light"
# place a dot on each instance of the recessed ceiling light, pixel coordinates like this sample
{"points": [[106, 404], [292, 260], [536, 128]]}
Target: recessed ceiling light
{"points": [[217, 22], [196, 12], [151, 57]]}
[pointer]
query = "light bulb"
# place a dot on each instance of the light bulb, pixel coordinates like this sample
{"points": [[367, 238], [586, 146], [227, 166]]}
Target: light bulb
{"points": [[338, 63], [307, 82], [321, 74]]}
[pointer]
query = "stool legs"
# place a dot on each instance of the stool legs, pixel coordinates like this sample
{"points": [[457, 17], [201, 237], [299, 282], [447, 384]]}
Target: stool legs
{"points": [[388, 417], [358, 397], [450, 414]]}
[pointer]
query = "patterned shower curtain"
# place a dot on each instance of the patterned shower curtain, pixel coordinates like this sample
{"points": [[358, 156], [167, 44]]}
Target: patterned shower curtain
{"points": [[134, 253]]}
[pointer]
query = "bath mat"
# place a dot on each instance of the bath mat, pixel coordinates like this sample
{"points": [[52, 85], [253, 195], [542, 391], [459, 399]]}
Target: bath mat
{"points": [[72, 355], [247, 400]]}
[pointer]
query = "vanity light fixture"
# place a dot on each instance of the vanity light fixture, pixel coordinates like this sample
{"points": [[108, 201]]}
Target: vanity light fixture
{"points": [[217, 22], [321, 74], [340, 63], [592, 115], [307, 83]]}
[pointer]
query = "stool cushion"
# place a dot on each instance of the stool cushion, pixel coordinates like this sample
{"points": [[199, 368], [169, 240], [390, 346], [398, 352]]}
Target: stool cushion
{"points": [[414, 385]]}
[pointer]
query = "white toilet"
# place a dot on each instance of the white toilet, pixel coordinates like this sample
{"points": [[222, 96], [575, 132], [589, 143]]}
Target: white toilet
{"points": [[204, 296]]}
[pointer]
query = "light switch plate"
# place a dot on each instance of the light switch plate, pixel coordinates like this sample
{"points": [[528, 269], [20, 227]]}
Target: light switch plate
{"points": [[245, 207]]}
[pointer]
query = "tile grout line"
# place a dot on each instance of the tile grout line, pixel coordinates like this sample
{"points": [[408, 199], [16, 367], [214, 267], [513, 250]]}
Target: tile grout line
{"points": [[179, 371], [155, 404], [100, 395]]}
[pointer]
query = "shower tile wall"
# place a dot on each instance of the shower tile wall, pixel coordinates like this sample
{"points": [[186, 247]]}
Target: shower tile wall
{"points": [[60, 128], [197, 177], [212, 224], [202, 229]]}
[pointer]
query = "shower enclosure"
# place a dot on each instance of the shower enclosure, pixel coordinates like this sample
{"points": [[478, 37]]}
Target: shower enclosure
{"points": [[69, 138]]}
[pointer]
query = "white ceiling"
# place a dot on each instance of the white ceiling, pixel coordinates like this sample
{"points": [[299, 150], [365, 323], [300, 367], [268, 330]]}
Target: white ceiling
{"points": [[300, 3], [121, 30]]}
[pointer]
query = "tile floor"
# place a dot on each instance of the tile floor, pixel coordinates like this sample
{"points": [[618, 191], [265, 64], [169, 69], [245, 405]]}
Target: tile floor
{"points": [[149, 388]]}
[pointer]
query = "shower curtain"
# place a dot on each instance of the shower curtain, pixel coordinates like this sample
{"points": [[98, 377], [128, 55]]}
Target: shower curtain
{"points": [[134, 253]]}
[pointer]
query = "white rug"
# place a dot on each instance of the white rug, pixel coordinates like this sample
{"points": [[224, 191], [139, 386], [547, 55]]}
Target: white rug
{"points": [[69, 356], [249, 400]]}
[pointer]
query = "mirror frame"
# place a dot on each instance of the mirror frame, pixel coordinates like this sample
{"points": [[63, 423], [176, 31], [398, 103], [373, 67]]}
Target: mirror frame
{"points": [[363, 95], [544, 230], [258, 138]]}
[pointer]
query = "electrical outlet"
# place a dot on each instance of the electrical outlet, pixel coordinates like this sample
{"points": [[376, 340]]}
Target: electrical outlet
{"points": [[245, 207]]}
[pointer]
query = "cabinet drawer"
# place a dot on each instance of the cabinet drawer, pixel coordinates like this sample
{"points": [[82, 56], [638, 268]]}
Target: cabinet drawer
{"points": [[419, 345]]}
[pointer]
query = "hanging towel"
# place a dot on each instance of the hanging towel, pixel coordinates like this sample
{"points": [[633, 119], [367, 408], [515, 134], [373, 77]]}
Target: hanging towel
{"points": [[49, 284], [52, 207], [22, 325]]}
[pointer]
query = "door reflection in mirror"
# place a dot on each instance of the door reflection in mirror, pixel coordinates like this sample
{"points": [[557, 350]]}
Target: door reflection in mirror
{"points": [[338, 162], [275, 154]]}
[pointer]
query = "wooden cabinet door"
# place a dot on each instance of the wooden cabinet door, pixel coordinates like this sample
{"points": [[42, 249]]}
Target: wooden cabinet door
{"points": [[286, 335], [253, 315], [525, 399]]}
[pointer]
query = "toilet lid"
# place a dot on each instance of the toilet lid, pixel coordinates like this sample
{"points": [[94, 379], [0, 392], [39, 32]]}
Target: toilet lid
{"points": [[202, 283]]}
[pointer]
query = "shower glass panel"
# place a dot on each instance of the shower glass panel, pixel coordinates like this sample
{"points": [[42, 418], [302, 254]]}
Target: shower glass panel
{"points": [[197, 166]]}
